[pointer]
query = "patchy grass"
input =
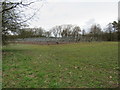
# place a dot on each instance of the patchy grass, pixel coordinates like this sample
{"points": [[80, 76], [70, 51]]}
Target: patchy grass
{"points": [[83, 65]]}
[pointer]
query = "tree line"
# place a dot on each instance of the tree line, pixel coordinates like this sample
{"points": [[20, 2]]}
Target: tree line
{"points": [[95, 33], [12, 22]]}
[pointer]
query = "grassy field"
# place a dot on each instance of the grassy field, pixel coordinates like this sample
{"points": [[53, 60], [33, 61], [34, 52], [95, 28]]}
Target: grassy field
{"points": [[82, 65]]}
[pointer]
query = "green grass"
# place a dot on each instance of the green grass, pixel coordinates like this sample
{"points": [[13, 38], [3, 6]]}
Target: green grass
{"points": [[83, 65]]}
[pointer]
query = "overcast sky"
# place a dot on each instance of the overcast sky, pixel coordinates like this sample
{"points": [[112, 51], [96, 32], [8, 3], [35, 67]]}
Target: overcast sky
{"points": [[76, 12]]}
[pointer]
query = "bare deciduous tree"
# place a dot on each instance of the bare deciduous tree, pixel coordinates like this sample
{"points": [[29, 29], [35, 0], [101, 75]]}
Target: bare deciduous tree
{"points": [[12, 19], [95, 30]]}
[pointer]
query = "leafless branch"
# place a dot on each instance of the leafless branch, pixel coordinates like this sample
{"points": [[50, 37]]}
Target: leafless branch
{"points": [[27, 4], [32, 15], [15, 5], [7, 9]]}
